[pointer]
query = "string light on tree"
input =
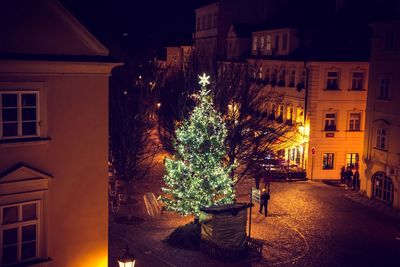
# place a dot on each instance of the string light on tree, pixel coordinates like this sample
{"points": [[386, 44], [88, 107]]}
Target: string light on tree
{"points": [[196, 176]]}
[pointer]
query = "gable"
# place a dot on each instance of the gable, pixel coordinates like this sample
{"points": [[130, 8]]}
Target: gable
{"points": [[232, 32], [44, 27], [22, 172]]}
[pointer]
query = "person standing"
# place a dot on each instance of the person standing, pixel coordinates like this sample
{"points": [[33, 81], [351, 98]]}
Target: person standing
{"points": [[342, 173], [356, 178], [264, 197]]}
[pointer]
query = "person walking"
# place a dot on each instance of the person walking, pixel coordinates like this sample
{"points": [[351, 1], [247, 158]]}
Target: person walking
{"points": [[342, 173], [356, 178], [264, 197], [348, 175]]}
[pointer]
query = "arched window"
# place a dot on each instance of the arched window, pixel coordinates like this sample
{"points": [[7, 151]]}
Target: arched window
{"points": [[382, 187]]}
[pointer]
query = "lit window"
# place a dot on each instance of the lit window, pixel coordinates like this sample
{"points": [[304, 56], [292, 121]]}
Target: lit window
{"points": [[262, 43], [357, 81], [330, 121], [384, 88], [332, 82], [19, 232], [351, 159], [284, 41], [327, 161], [19, 114], [289, 114], [355, 122], [255, 44], [269, 41], [260, 72], [381, 138], [389, 40]]}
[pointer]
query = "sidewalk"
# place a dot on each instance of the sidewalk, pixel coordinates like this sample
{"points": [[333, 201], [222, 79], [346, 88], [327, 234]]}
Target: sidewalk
{"points": [[374, 205]]}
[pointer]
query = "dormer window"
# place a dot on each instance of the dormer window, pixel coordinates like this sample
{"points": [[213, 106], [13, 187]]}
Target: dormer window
{"points": [[255, 44], [276, 42]]}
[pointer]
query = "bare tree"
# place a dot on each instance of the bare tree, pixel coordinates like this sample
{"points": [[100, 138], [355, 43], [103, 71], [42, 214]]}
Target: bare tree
{"points": [[256, 128], [132, 145]]}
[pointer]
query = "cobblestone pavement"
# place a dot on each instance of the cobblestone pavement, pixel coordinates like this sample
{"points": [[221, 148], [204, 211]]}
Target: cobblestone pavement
{"points": [[309, 224]]}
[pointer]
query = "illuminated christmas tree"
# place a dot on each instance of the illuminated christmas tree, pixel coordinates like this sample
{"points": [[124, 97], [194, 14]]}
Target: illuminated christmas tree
{"points": [[196, 176]]}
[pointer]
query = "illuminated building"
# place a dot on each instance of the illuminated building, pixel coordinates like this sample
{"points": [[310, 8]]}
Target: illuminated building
{"points": [[380, 177], [324, 96], [53, 138]]}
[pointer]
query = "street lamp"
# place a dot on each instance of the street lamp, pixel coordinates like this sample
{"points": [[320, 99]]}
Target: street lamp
{"points": [[127, 259]]}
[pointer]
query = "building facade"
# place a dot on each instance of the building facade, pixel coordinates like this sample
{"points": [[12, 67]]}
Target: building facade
{"points": [[325, 98], [380, 178], [53, 138]]}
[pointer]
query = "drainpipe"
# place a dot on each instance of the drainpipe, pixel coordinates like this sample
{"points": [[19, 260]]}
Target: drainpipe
{"points": [[305, 107]]}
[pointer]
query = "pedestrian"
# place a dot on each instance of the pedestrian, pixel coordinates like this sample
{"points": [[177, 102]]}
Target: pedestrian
{"points": [[342, 172], [348, 175], [264, 197], [356, 178]]}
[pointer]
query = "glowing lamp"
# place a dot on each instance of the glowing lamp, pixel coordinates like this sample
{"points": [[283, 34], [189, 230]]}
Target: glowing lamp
{"points": [[127, 259]]}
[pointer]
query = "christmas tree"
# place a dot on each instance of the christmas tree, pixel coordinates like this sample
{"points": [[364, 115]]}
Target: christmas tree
{"points": [[196, 176]]}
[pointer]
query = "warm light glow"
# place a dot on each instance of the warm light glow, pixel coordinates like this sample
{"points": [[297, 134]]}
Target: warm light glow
{"points": [[204, 80], [126, 263], [158, 105]]}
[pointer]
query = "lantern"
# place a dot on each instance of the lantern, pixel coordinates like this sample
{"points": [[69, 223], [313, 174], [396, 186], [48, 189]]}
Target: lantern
{"points": [[127, 259]]}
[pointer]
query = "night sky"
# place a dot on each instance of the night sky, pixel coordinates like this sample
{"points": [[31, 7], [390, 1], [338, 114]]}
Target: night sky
{"points": [[150, 25]]}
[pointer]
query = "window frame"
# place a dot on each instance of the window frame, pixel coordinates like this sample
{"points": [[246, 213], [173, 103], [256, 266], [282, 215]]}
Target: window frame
{"points": [[330, 128], [19, 93], [379, 136], [354, 88], [387, 92], [349, 123], [354, 158], [19, 224], [332, 165], [268, 42], [328, 78]]}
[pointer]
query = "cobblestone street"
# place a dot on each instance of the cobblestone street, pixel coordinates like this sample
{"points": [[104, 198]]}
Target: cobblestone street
{"points": [[309, 224]]}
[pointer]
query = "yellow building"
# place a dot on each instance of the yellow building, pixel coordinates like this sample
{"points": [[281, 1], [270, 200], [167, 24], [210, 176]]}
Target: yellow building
{"points": [[53, 138], [381, 161], [326, 98]]}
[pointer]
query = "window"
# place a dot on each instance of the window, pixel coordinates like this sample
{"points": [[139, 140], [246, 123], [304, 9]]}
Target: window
{"points": [[384, 88], [292, 76], [260, 72], [198, 25], [383, 188], [209, 20], [357, 81], [203, 22], [330, 121], [19, 232], [381, 138], [355, 121], [351, 159], [332, 82], [284, 41], [389, 40], [215, 20], [269, 41], [299, 115], [327, 161], [255, 45], [276, 42], [262, 43], [19, 114], [289, 116]]}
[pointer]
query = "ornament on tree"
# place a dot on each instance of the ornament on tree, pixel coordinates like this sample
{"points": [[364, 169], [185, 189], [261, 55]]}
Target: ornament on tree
{"points": [[196, 176]]}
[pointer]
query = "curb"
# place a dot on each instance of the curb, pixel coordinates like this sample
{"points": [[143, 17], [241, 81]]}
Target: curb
{"points": [[374, 205]]}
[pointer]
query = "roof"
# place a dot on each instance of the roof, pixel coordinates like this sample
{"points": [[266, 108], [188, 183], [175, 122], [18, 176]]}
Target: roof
{"points": [[242, 30], [227, 208], [44, 27]]}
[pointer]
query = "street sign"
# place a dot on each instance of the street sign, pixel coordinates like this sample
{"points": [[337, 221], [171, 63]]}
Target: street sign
{"points": [[313, 150], [255, 194]]}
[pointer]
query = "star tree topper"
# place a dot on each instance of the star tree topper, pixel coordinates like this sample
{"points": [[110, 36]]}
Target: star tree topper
{"points": [[204, 80]]}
